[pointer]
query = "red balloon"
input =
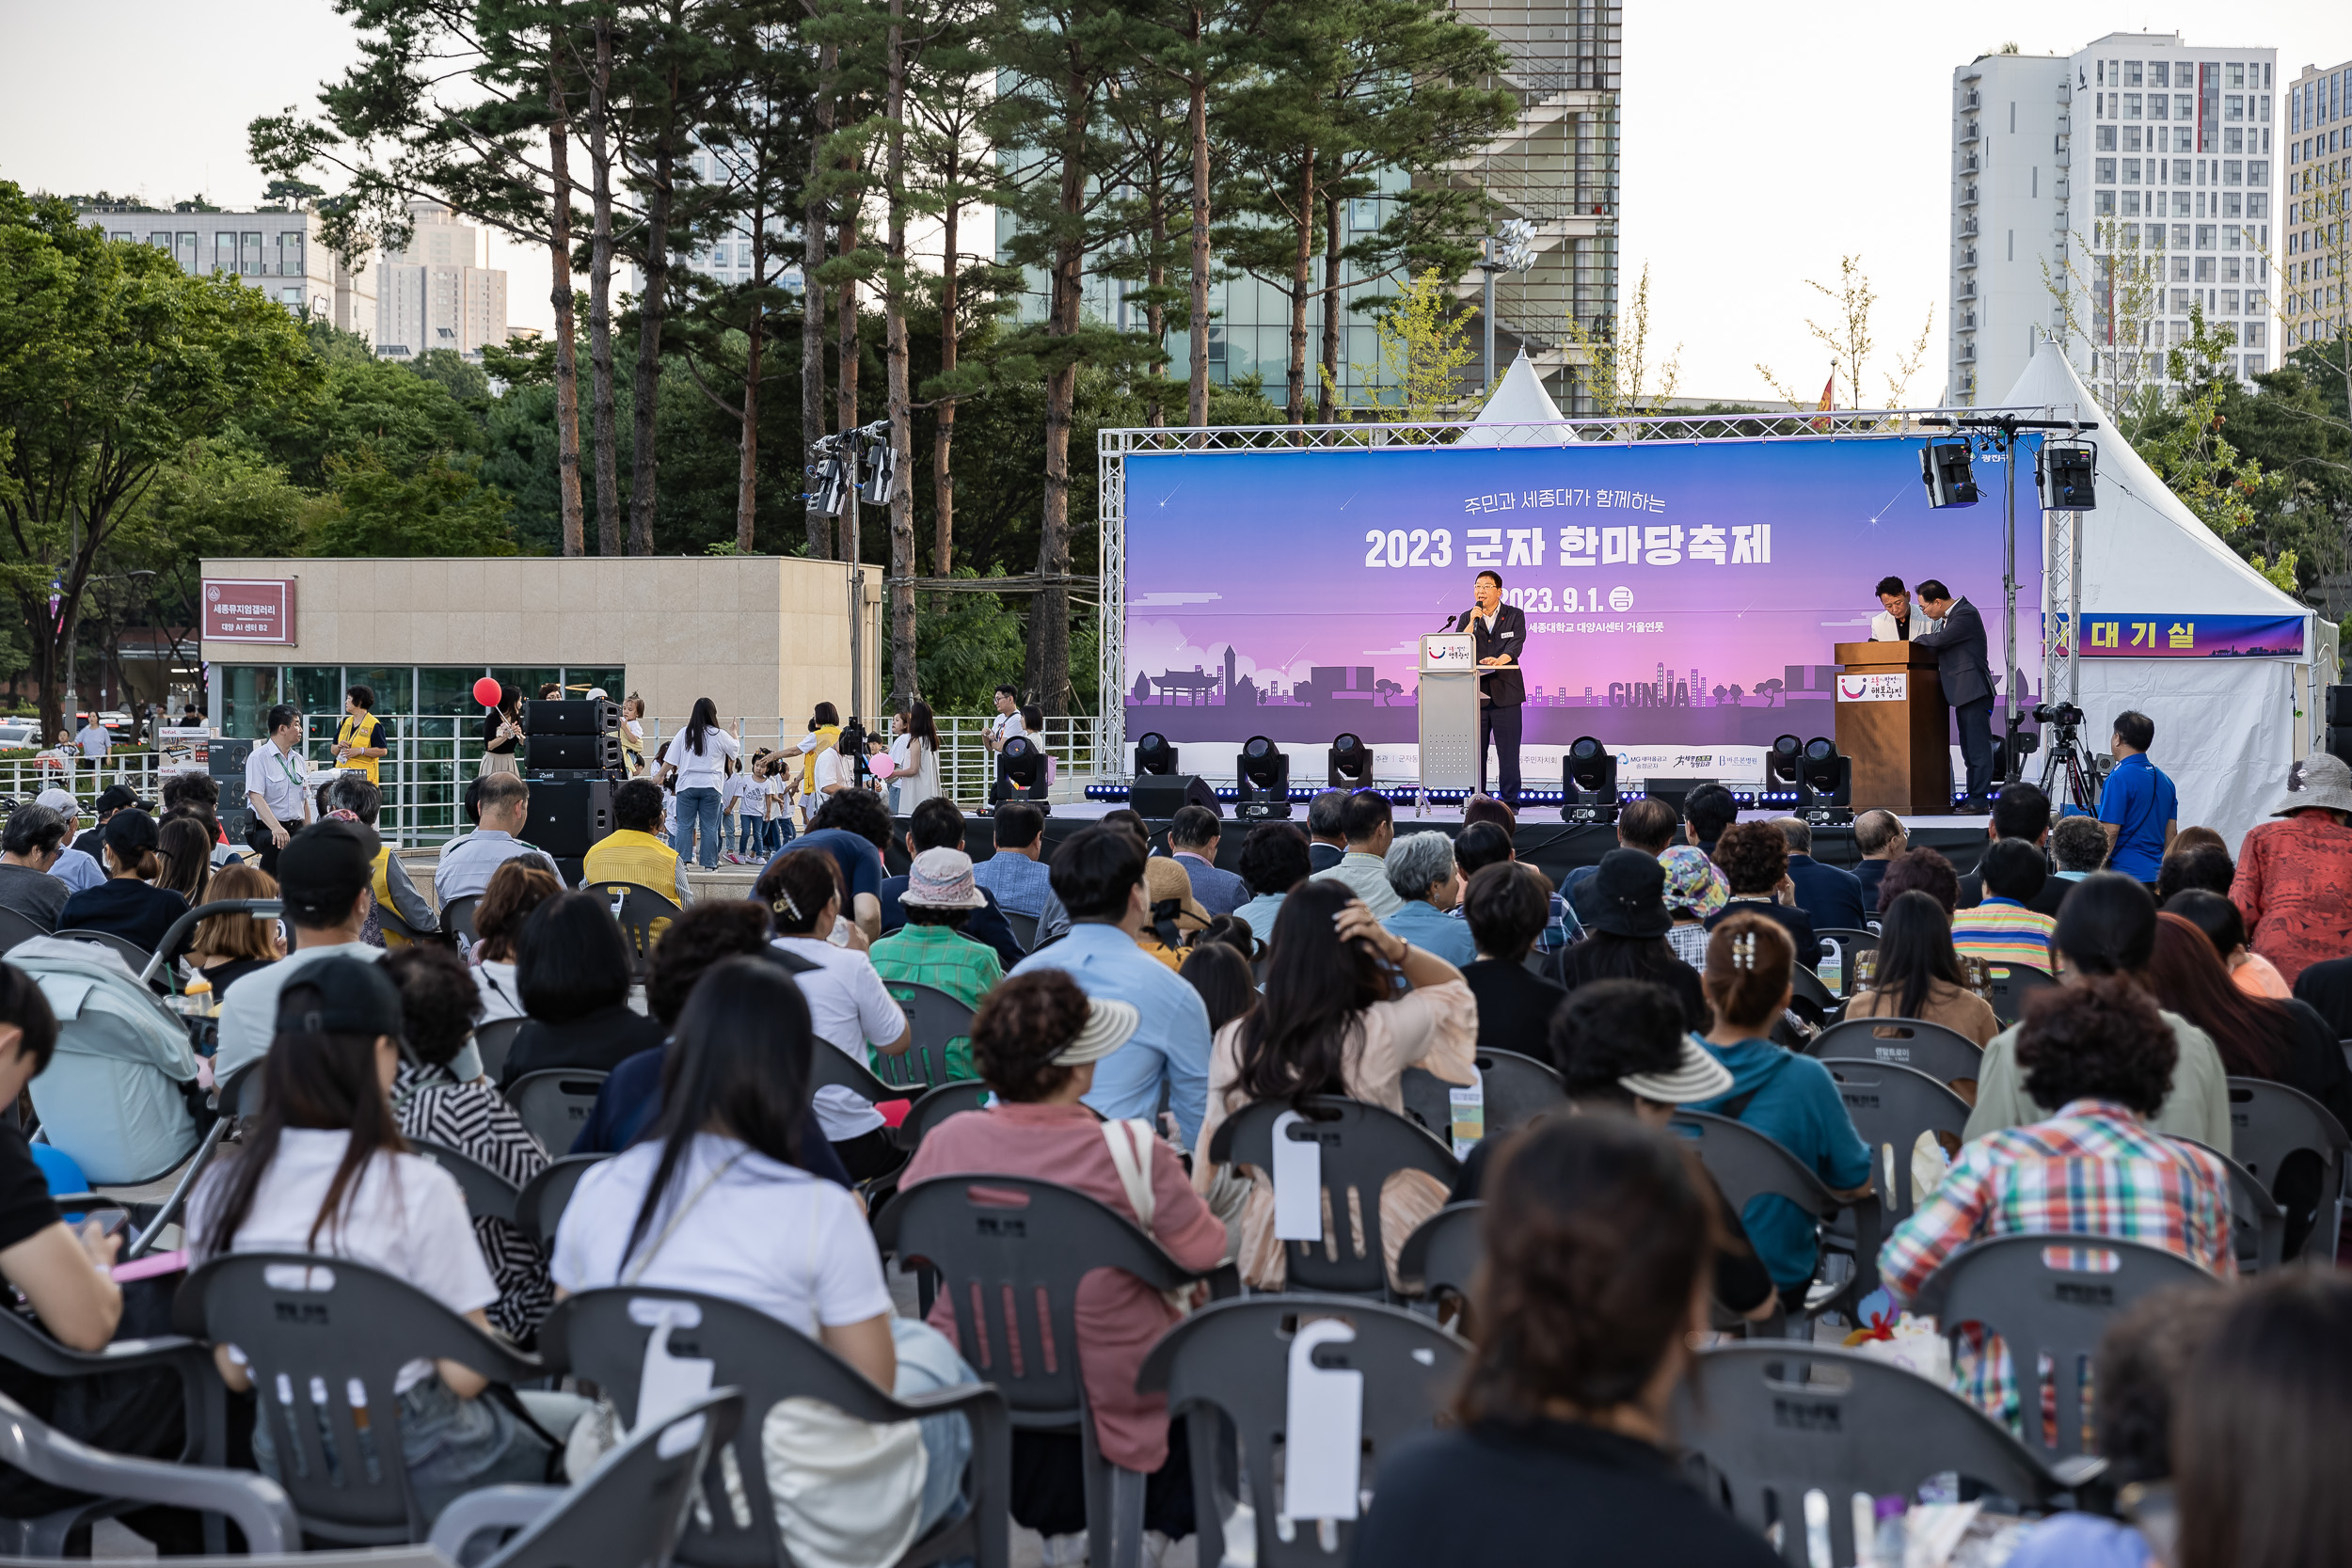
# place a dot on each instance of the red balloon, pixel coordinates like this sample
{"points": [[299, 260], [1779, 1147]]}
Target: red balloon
{"points": [[486, 691]]}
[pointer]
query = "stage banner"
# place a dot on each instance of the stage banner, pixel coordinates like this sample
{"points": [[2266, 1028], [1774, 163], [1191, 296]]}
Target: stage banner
{"points": [[2142, 636], [1676, 594]]}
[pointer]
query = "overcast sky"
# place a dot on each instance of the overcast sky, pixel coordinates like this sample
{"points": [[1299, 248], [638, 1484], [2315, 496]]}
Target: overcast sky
{"points": [[1754, 153]]}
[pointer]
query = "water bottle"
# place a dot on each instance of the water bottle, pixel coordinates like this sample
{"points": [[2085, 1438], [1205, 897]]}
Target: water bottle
{"points": [[1889, 1537]]}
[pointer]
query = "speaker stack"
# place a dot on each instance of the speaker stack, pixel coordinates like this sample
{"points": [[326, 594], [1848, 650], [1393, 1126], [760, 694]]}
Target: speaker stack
{"points": [[1163, 795], [2340, 722], [572, 761]]}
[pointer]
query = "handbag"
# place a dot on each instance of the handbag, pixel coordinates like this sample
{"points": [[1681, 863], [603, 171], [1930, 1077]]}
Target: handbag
{"points": [[1131, 1144]]}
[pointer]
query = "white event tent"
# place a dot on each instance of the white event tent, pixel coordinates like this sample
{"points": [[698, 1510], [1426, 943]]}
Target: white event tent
{"points": [[2227, 729]]}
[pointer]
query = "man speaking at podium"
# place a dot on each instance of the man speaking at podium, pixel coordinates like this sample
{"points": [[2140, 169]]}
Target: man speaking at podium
{"points": [[1959, 642], [1500, 632]]}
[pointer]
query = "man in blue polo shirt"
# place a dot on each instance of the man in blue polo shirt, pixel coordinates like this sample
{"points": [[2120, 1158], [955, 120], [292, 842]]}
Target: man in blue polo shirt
{"points": [[2138, 807]]}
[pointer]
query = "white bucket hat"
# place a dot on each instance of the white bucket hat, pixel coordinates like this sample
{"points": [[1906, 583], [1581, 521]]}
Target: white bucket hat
{"points": [[1697, 1077], [1109, 1026], [2321, 780]]}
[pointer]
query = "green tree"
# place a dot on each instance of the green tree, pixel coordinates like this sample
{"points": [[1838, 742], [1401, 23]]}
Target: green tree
{"points": [[1424, 342], [2183, 441], [112, 360], [439, 510]]}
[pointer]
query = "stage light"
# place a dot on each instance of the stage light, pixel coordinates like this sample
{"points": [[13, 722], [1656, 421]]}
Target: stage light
{"points": [[882, 471], [1348, 762], [1943, 467], [1154, 756], [2066, 475], [1025, 769], [829, 477], [1780, 763], [1588, 782], [1262, 776], [1825, 783]]}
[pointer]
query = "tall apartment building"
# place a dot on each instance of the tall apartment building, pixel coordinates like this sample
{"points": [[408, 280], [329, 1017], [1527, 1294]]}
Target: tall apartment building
{"points": [[2097, 196], [2316, 216], [275, 249], [435, 292]]}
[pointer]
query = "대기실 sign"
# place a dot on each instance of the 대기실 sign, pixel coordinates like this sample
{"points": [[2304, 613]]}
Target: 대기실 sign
{"points": [[2143, 636], [248, 610]]}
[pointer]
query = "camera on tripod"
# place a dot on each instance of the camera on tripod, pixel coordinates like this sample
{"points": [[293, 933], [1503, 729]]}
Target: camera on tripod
{"points": [[2065, 713]]}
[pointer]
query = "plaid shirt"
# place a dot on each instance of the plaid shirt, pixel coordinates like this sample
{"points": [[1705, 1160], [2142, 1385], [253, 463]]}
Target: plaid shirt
{"points": [[2094, 1169], [936, 956]]}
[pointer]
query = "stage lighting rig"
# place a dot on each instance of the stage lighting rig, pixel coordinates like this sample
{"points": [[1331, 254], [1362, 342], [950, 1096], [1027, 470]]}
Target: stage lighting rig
{"points": [[1945, 469], [1262, 776], [1024, 771], [1348, 762], [1781, 762], [2066, 475], [1825, 783], [829, 475], [1154, 756], [881, 463], [1588, 782]]}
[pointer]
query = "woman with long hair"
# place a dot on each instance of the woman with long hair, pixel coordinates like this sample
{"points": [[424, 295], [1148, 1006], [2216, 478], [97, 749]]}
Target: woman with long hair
{"points": [[671, 1212], [1920, 974], [1333, 1022], [502, 732], [1220, 973], [1599, 1236], [324, 1169], [517, 888], [2225, 927], [701, 752], [187, 850], [849, 1008], [228, 947], [917, 779]]}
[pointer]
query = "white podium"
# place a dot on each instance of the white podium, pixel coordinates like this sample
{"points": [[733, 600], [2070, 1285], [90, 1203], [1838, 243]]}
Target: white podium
{"points": [[1449, 711]]}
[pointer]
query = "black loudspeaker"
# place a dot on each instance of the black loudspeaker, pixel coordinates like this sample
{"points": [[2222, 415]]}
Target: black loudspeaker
{"points": [[569, 814], [561, 750], [2339, 708], [1164, 795], [581, 716], [225, 760], [2339, 743]]}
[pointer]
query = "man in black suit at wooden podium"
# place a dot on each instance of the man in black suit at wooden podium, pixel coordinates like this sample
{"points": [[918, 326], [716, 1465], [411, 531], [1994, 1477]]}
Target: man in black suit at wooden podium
{"points": [[1500, 630], [1959, 642]]}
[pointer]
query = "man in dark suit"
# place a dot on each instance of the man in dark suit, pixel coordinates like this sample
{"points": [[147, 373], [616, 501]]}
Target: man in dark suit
{"points": [[1960, 661], [1830, 895], [1500, 630]]}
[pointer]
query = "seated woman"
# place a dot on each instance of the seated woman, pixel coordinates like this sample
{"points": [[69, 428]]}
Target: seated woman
{"points": [[437, 1001], [1508, 905], [573, 969], [1918, 973], [1695, 893], [1789, 1099], [185, 848], [1598, 1240], [1037, 1039], [324, 1169], [1274, 860], [2225, 927], [1422, 874], [228, 947], [516, 889], [1624, 907], [1334, 1023], [127, 903], [847, 1006], [931, 949], [1753, 859], [1217, 970], [674, 1212]]}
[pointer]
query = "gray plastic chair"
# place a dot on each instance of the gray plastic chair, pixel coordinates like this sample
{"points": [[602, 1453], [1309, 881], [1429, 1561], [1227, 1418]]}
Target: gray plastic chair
{"points": [[1747, 1164], [2011, 984], [1441, 1258], [1850, 941], [1806, 990], [632, 1508], [555, 1103], [1944, 1054], [496, 1040], [489, 1194], [130, 952], [2257, 1227], [16, 927], [934, 1017], [1009, 1252], [1226, 1369], [2269, 1121], [457, 921], [1890, 1106], [539, 1207], [120, 1485], [1517, 1090], [1023, 929], [831, 1064], [936, 1105], [645, 914], [314, 1326], [1771, 1422], [1362, 1145], [2046, 1295], [601, 1336]]}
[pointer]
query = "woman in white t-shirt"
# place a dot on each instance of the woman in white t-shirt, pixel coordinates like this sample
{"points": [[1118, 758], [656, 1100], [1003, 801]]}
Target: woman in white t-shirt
{"points": [[671, 1212], [701, 752], [323, 1170], [836, 768], [848, 1004]]}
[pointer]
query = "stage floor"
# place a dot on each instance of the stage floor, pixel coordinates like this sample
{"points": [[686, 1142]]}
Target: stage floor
{"points": [[1435, 815]]}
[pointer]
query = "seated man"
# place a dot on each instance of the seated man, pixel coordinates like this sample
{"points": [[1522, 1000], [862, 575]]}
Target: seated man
{"points": [[467, 863], [2005, 928], [1192, 838], [1016, 873], [1830, 895], [635, 851], [1427, 884], [1880, 837], [938, 824], [1369, 825], [33, 840], [76, 869]]}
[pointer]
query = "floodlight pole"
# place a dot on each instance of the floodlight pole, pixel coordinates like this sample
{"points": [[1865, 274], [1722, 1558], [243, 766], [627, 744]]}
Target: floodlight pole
{"points": [[1489, 265]]}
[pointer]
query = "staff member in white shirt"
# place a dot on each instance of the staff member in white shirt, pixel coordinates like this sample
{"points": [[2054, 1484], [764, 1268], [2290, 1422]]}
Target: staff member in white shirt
{"points": [[276, 786], [94, 740], [700, 752], [1897, 620], [1002, 728]]}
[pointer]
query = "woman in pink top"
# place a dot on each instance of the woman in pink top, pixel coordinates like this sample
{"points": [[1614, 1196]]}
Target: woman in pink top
{"points": [[1036, 1042], [1349, 1005]]}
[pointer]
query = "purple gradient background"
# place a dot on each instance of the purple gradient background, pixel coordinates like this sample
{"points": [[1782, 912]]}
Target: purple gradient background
{"points": [[1258, 558]]}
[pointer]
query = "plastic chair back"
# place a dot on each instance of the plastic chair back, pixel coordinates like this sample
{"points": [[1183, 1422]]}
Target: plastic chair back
{"points": [[1361, 1146], [1517, 1090], [1228, 1368], [539, 1207], [1850, 941], [935, 1106], [2049, 1295], [601, 1335], [1747, 1164], [644, 913], [2011, 985], [1774, 1421], [554, 1104], [496, 1041], [2257, 1227], [1891, 1106], [1806, 990], [934, 1017], [457, 921], [312, 1330], [1441, 1257], [489, 1194], [258, 1505], [829, 1064], [1023, 929], [1944, 1054], [16, 927], [2269, 1121]]}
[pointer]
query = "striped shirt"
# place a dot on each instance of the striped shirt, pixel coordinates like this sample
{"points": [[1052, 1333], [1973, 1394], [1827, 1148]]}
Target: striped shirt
{"points": [[2092, 1169], [2003, 931]]}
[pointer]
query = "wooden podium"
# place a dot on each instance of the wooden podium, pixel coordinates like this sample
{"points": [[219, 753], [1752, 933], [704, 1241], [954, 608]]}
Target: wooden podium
{"points": [[1893, 721]]}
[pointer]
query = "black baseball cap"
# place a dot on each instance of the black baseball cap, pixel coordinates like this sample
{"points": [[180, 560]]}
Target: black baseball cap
{"points": [[128, 831], [353, 996], [116, 797], [322, 867]]}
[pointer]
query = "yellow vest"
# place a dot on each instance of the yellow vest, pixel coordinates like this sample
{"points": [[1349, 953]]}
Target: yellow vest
{"points": [[629, 856], [828, 738], [361, 729]]}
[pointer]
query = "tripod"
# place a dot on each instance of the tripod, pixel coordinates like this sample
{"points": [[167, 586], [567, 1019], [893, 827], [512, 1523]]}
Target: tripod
{"points": [[2080, 768]]}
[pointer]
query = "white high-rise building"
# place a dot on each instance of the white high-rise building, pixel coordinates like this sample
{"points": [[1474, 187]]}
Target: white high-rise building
{"points": [[278, 250], [2316, 238], [2096, 198], [436, 293]]}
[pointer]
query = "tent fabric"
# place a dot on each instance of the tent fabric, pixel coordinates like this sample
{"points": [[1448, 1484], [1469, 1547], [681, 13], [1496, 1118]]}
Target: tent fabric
{"points": [[1520, 413], [2226, 729]]}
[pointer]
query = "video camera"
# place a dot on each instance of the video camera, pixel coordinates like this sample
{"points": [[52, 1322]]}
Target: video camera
{"points": [[2058, 713]]}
